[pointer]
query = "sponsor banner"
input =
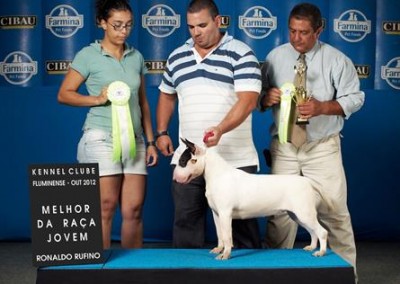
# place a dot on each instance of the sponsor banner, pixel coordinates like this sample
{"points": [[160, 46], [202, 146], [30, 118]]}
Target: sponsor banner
{"points": [[21, 39], [162, 29], [228, 16], [133, 38], [259, 24], [67, 28], [387, 74], [352, 32], [65, 214]]}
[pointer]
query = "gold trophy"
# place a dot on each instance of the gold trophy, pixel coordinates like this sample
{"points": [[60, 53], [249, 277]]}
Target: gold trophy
{"points": [[301, 94]]}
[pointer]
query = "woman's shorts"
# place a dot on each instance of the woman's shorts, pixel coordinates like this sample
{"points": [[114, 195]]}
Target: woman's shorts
{"points": [[96, 146]]}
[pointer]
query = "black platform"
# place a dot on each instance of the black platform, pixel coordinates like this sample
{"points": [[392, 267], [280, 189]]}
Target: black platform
{"points": [[198, 266]]}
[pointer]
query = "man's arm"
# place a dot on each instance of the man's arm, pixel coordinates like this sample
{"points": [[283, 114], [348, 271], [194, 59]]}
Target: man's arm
{"points": [[247, 102], [165, 110]]}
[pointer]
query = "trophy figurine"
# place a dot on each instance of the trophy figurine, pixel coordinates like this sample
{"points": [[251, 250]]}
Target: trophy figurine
{"points": [[300, 94]]}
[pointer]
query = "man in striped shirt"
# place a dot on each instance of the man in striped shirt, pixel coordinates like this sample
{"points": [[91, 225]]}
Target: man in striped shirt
{"points": [[217, 81]]}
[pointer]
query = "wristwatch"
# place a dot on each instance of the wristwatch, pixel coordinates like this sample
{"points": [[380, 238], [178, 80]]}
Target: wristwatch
{"points": [[161, 133], [150, 143]]}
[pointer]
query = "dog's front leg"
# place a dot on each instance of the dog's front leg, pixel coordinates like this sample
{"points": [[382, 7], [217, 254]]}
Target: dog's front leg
{"points": [[218, 249], [225, 226]]}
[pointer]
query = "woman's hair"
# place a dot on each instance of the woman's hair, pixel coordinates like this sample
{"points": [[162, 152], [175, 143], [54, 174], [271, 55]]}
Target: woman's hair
{"points": [[309, 12], [198, 5], [104, 8]]}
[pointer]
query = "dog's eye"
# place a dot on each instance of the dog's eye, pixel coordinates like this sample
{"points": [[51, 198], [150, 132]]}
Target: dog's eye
{"points": [[193, 161], [185, 158]]}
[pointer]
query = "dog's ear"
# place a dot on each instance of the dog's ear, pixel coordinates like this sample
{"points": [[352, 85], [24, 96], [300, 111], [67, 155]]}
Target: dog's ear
{"points": [[189, 145], [199, 150]]}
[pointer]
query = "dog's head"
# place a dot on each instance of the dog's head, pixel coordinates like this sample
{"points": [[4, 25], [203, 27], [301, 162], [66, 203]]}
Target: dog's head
{"points": [[191, 163]]}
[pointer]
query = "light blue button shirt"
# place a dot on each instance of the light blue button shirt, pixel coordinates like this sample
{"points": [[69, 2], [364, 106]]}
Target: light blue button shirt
{"points": [[331, 75]]}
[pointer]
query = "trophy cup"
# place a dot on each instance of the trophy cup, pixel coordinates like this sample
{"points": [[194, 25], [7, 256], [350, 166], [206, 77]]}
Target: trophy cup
{"points": [[301, 94]]}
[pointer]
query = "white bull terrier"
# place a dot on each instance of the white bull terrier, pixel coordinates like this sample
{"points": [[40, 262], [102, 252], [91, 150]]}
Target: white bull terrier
{"points": [[235, 194]]}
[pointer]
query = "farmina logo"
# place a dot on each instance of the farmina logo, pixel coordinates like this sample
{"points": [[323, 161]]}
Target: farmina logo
{"points": [[352, 26], [18, 68], [257, 22], [391, 73], [161, 20], [64, 21]]}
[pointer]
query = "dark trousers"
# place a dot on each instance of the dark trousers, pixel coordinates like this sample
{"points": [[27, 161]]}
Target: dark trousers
{"points": [[190, 217]]}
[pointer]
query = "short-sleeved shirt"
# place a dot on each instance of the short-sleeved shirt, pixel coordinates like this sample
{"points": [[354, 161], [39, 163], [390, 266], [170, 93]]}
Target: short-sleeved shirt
{"points": [[206, 89], [101, 69]]}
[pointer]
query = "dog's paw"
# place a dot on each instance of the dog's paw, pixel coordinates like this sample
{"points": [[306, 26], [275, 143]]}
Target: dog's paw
{"points": [[223, 256], [217, 250], [309, 248], [319, 253]]}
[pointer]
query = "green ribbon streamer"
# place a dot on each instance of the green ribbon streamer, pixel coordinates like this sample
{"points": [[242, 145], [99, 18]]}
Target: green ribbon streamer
{"points": [[287, 90], [122, 126], [117, 122]]}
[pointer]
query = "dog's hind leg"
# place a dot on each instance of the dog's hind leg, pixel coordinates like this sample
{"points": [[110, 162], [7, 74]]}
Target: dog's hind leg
{"points": [[314, 241], [317, 233], [323, 239], [310, 222]]}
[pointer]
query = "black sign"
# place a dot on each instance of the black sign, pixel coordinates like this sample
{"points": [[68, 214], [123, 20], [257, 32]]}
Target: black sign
{"points": [[66, 221]]}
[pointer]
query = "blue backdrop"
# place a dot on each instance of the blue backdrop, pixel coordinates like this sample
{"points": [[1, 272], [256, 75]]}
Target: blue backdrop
{"points": [[39, 40]]}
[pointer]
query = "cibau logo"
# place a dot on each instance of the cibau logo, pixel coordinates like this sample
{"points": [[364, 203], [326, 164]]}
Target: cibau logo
{"points": [[352, 26], [225, 21], [57, 66], [18, 68], [391, 73], [155, 66], [64, 21], [17, 22], [161, 20], [391, 27], [257, 22], [363, 71]]}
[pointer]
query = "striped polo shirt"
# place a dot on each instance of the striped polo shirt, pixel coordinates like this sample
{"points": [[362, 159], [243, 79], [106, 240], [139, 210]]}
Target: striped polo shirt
{"points": [[206, 89]]}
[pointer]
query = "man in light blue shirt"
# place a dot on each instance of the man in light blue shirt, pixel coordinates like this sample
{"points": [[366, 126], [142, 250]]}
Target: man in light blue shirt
{"points": [[335, 88]]}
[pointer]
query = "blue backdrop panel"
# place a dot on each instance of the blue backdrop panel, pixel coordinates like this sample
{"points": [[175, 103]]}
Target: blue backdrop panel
{"points": [[21, 43], [257, 25], [134, 36], [229, 18], [67, 29], [387, 74], [163, 28], [352, 32]]}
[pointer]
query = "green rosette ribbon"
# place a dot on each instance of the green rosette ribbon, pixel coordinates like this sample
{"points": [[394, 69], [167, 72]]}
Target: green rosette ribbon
{"points": [[124, 142], [287, 91]]}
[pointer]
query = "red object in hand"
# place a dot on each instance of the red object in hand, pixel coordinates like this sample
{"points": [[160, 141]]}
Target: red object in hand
{"points": [[208, 135]]}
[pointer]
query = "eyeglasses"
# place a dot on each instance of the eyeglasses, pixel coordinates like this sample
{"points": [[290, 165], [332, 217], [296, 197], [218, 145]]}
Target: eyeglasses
{"points": [[120, 27]]}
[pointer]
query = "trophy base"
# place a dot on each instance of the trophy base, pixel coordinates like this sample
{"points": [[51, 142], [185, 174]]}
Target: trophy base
{"points": [[302, 121]]}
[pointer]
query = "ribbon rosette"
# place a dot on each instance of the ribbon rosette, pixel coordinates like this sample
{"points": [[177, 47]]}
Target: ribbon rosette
{"points": [[122, 128], [287, 90]]}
